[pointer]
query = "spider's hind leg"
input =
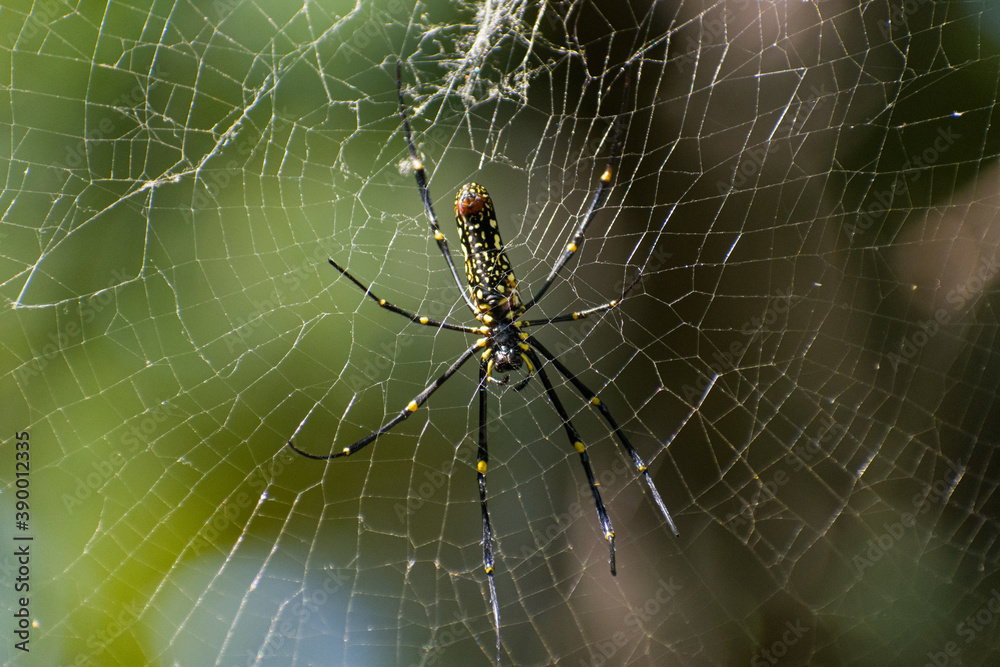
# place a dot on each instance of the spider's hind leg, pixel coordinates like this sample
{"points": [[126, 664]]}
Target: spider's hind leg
{"points": [[577, 443], [591, 397]]}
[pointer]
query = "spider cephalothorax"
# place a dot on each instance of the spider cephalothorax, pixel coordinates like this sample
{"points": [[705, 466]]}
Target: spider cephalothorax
{"points": [[503, 339]]}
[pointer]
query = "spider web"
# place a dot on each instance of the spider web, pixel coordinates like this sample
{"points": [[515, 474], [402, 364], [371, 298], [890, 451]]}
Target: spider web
{"points": [[808, 364]]}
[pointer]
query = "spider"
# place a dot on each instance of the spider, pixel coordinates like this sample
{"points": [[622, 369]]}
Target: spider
{"points": [[504, 344]]}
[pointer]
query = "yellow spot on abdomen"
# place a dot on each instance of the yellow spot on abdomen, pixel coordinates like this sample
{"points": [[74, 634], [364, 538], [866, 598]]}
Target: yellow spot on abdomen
{"points": [[579, 447], [412, 406], [481, 467]]}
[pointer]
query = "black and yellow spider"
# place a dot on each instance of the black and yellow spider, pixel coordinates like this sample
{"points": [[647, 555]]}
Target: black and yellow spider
{"points": [[504, 342]]}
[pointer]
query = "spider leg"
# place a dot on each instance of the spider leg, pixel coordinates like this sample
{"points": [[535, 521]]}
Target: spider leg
{"points": [[419, 319], [581, 314], [603, 190], [571, 317], [481, 463], [592, 398], [410, 408], [425, 194], [574, 439]]}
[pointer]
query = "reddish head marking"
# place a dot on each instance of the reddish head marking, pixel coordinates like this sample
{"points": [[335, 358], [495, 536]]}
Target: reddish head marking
{"points": [[469, 204]]}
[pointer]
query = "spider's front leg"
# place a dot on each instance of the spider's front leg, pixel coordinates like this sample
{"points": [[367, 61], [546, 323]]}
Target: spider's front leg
{"points": [[410, 408], [419, 319]]}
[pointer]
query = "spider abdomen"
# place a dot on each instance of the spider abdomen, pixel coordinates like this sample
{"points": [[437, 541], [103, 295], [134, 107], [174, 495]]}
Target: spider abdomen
{"points": [[487, 269]]}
